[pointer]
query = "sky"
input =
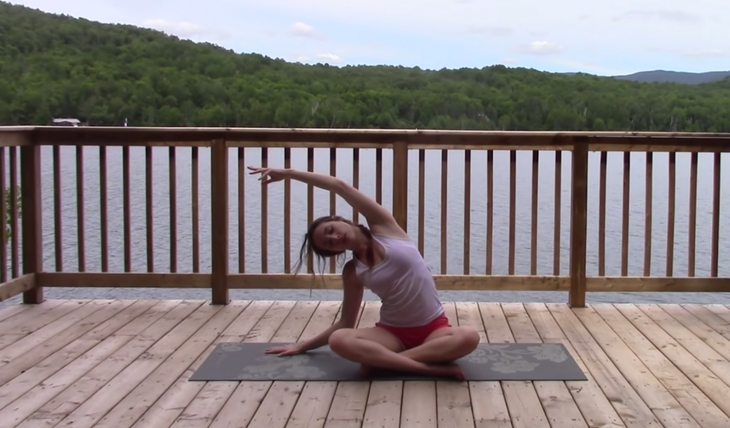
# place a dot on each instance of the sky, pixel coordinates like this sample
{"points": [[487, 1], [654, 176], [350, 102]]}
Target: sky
{"points": [[592, 36]]}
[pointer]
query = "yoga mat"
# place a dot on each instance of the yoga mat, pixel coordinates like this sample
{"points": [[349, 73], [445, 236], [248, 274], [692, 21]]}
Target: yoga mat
{"points": [[489, 362]]}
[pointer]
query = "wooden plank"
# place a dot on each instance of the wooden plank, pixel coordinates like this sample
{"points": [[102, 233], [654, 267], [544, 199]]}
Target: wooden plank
{"points": [[58, 384], [560, 408], [165, 410], [487, 398], [51, 356], [13, 310], [383, 408], [453, 402], [15, 137], [593, 403], [187, 347], [17, 286], [350, 401], [419, 404], [9, 339], [709, 353], [13, 358], [314, 401], [88, 396], [704, 332], [721, 311], [21, 320], [671, 373], [145, 373], [82, 326], [637, 372], [627, 403], [39, 316], [202, 398], [525, 407], [281, 397], [710, 318]]}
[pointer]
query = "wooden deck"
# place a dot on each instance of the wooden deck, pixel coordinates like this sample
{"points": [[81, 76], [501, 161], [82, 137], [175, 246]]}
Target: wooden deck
{"points": [[124, 364]]}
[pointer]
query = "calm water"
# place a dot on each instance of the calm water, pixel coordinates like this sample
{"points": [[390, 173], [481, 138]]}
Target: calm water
{"points": [[455, 231]]}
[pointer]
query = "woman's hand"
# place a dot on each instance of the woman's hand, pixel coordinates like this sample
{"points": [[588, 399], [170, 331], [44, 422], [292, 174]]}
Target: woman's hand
{"points": [[268, 175], [284, 351]]}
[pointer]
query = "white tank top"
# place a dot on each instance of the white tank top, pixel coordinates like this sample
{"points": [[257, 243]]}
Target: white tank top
{"points": [[403, 282]]}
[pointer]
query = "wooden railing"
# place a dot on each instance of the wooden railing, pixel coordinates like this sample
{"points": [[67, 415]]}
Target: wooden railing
{"points": [[74, 225]]}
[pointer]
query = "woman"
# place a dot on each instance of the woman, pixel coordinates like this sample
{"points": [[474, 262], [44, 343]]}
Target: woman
{"points": [[413, 333]]}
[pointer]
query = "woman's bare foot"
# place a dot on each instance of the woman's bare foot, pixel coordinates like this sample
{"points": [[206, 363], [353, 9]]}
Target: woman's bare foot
{"points": [[445, 370], [449, 370], [365, 371]]}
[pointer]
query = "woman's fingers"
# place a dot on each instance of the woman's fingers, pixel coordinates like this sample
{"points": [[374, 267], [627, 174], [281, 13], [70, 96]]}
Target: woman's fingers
{"points": [[256, 170], [266, 174]]}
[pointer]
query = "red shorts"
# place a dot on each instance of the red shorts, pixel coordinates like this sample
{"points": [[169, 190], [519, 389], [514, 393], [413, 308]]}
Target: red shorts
{"points": [[411, 337]]}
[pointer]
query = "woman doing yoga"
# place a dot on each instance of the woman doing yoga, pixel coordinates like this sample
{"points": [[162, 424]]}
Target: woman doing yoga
{"points": [[413, 333]]}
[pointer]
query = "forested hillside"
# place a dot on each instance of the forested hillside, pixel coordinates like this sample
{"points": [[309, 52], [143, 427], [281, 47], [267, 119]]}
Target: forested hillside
{"points": [[53, 66]]}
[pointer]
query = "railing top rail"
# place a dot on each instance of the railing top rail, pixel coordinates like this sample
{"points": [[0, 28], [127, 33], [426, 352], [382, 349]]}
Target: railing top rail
{"points": [[416, 138]]}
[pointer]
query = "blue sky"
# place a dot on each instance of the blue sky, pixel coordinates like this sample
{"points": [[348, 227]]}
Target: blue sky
{"points": [[598, 37]]}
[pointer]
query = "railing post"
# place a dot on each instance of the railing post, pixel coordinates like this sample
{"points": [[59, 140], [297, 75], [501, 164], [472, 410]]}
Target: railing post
{"points": [[32, 231], [578, 224], [219, 221], [400, 183]]}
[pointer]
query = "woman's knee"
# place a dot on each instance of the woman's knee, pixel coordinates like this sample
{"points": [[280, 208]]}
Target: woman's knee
{"points": [[339, 339], [343, 341], [470, 337]]}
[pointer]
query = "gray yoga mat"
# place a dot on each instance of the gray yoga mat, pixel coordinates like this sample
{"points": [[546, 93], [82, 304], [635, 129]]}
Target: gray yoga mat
{"points": [[489, 362]]}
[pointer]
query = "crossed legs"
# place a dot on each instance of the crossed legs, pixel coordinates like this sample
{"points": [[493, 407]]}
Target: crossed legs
{"points": [[378, 348]]}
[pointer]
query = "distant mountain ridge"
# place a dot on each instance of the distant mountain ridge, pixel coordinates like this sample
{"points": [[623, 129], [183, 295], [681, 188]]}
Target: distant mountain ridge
{"points": [[664, 76]]}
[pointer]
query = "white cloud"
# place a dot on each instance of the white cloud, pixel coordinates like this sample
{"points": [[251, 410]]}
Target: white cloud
{"points": [[329, 57], [300, 29], [706, 53], [540, 47], [659, 14], [183, 29], [489, 30]]}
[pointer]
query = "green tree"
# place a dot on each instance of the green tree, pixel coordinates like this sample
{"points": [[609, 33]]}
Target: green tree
{"points": [[54, 65]]}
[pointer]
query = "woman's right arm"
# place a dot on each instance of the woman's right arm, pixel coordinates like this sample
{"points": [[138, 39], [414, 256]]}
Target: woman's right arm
{"points": [[377, 216], [351, 303]]}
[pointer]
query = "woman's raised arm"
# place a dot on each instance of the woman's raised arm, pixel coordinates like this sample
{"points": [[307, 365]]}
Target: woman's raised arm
{"points": [[375, 213]]}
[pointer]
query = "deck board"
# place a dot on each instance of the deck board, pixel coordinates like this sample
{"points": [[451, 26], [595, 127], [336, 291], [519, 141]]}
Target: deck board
{"points": [[125, 364]]}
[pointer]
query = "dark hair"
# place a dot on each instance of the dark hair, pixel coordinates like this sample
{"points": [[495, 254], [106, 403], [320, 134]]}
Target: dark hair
{"points": [[322, 254]]}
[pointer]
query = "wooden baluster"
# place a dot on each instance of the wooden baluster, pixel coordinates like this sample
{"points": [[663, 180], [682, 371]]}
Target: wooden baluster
{"points": [[400, 184]]}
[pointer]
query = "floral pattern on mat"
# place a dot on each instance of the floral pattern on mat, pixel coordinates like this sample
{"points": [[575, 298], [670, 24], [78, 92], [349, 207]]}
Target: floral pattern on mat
{"points": [[509, 359]]}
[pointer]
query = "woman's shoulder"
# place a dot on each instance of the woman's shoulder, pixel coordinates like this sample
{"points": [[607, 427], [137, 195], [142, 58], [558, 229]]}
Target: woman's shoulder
{"points": [[388, 231]]}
